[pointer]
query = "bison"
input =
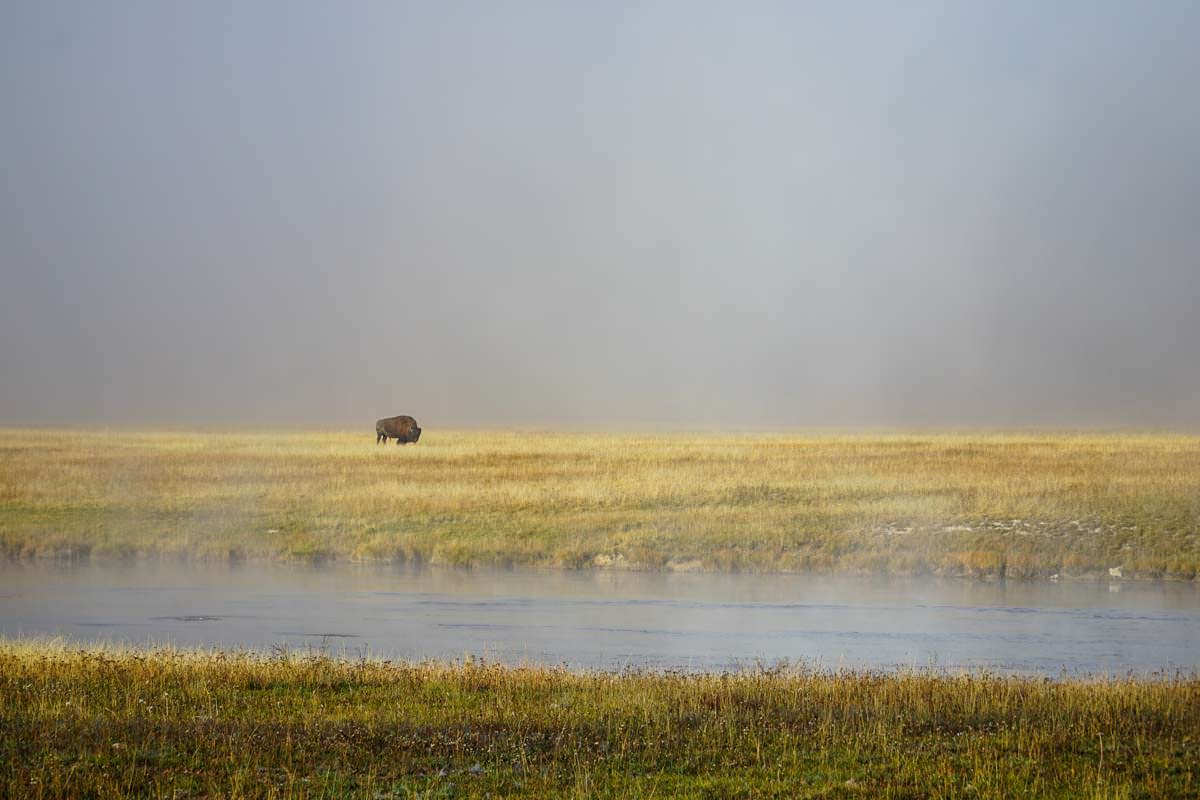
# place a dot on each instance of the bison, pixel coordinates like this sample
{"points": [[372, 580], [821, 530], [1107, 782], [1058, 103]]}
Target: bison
{"points": [[403, 429]]}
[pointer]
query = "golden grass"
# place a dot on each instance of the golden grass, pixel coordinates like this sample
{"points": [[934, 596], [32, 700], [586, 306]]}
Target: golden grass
{"points": [[113, 724], [1013, 504]]}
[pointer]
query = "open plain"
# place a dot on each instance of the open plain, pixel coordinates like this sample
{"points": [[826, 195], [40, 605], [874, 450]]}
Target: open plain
{"points": [[1013, 505]]}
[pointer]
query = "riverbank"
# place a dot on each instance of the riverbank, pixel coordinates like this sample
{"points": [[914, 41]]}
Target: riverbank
{"points": [[113, 723], [1017, 505]]}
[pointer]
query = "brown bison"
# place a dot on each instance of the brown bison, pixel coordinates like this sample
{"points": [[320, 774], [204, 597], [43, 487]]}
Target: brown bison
{"points": [[403, 429]]}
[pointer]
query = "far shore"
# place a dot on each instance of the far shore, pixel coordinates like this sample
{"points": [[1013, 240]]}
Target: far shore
{"points": [[1036, 506], [284, 562]]}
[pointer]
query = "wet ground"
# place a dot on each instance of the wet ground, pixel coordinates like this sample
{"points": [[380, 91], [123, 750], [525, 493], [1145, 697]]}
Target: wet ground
{"points": [[614, 620]]}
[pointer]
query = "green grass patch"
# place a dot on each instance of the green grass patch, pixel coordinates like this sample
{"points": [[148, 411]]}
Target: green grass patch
{"points": [[111, 723]]}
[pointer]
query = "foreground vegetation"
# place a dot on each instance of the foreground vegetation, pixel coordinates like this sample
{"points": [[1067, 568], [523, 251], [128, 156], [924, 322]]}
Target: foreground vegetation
{"points": [[126, 724], [1013, 505]]}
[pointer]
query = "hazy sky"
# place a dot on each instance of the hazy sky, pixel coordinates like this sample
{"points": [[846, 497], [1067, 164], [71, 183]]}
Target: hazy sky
{"points": [[647, 214]]}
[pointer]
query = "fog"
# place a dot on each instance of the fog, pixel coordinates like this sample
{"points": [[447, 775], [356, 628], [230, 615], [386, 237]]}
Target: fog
{"points": [[615, 620], [655, 215]]}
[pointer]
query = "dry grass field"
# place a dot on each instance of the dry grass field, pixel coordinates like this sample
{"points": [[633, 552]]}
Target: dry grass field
{"points": [[984, 505], [111, 723]]}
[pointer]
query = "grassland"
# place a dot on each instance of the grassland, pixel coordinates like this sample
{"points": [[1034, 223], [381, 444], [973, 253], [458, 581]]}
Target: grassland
{"points": [[986, 505], [104, 723]]}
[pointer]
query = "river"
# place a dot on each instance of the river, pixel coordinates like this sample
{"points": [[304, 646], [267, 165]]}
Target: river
{"points": [[616, 620]]}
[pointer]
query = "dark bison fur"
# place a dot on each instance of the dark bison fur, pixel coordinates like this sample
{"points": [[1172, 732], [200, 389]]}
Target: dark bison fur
{"points": [[403, 429]]}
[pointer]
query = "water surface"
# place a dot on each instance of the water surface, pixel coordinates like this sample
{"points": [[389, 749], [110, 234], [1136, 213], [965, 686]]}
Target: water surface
{"points": [[614, 620]]}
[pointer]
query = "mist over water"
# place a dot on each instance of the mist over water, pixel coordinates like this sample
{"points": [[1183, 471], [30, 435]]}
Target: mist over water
{"points": [[604, 620], [662, 214]]}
